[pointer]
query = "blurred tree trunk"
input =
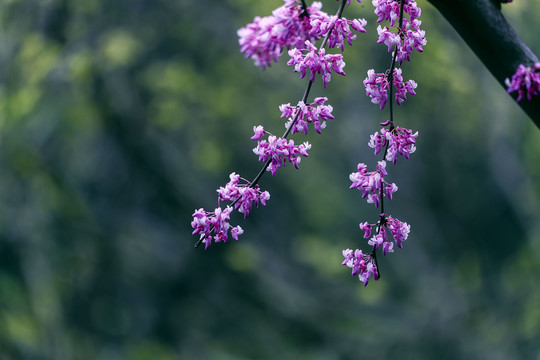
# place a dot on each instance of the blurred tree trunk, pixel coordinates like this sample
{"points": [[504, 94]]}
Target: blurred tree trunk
{"points": [[483, 27]]}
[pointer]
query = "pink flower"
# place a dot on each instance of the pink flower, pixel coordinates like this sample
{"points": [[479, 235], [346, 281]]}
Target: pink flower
{"points": [[265, 38], [370, 183], [366, 228], [399, 141], [235, 231], [339, 28], [377, 87], [389, 10], [259, 132], [387, 37], [400, 230], [309, 114], [525, 80], [361, 264], [388, 247], [407, 38], [317, 62], [217, 222], [243, 196], [279, 150], [377, 240]]}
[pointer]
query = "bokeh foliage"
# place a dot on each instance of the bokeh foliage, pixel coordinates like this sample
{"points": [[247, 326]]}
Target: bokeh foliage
{"points": [[118, 119]]}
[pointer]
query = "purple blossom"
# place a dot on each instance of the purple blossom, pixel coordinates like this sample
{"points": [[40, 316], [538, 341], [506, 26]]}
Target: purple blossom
{"points": [[407, 38], [244, 196], [387, 37], [413, 39], [370, 183], [377, 87], [361, 264], [258, 131], [389, 10], [279, 150], [377, 240], [339, 28], [317, 61], [400, 230], [366, 228], [388, 247], [399, 140], [265, 38], [309, 114], [217, 222], [525, 80]]}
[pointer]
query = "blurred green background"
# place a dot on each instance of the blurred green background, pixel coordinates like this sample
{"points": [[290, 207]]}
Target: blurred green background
{"points": [[119, 118]]}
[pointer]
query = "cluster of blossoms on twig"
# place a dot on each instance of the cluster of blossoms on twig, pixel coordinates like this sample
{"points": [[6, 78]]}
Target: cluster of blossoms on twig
{"points": [[526, 81], [293, 26], [309, 114], [296, 27], [278, 150], [289, 26], [377, 85], [403, 36], [243, 196], [317, 62]]}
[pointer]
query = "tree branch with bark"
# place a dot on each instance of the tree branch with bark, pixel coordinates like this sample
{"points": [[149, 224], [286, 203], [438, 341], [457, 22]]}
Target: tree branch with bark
{"points": [[485, 30]]}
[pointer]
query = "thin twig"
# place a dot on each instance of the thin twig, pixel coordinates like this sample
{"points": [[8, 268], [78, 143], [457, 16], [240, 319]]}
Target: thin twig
{"points": [[254, 182]]}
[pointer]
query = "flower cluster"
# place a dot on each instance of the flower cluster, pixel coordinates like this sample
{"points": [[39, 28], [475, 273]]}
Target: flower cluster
{"points": [[372, 183], [526, 80], [361, 264], [409, 36], [278, 150], [317, 61], [377, 87], [264, 39], [399, 141], [389, 10], [404, 37], [296, 27], [399, 230], [217, 222], [244, 196], [339, 28], [309, 114]]}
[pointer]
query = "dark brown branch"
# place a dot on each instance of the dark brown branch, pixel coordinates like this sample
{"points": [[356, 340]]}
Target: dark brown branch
{"points": [[485, 30]]}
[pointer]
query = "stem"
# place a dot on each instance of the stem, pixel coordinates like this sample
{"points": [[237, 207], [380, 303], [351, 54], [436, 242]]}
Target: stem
{"points": [[304, 9], [390, 99], [288, 131]]}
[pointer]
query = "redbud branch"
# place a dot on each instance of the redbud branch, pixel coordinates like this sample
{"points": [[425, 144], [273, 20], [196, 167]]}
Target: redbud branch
{"points": [[295, 119], [304, 9], [304, 100], [392, 66], [390, 97]]}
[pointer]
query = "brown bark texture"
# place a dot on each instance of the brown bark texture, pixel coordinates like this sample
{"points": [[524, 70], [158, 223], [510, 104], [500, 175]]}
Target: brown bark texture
{"points": [[485, 30]]}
